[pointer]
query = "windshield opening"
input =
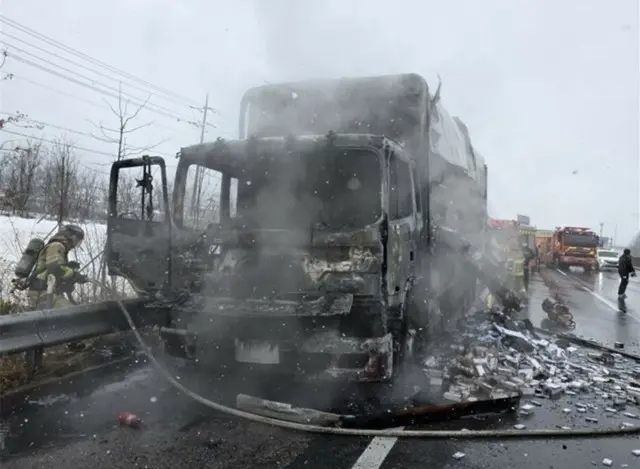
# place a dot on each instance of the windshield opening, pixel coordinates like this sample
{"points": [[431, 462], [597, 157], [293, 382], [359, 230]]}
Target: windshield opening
{"points": [[334, 189], [608, 254], [590, 241]]}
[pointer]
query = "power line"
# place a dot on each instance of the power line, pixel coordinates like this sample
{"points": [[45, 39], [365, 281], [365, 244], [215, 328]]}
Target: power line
{"points": [[70, 145], [78, 98], [71, 79], [55, 90], [104, 92], [159, 109], [14, 24], [86, 68], [130, 96], [73, 131]]}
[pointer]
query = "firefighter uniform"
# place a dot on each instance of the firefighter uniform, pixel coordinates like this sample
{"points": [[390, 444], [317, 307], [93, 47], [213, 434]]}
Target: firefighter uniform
{"points": [[519, 281], [53, 260]]}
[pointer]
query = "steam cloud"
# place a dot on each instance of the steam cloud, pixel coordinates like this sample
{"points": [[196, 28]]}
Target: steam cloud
{"points": [[272, 201]]}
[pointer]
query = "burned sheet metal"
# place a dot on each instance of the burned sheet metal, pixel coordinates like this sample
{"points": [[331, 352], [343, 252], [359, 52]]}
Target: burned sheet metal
{"points": [[382, 419], [368, 237], [558, 313], [284, 411], [359, 260], [375, 355], [327, 305], [334, 343], [434, 413]]}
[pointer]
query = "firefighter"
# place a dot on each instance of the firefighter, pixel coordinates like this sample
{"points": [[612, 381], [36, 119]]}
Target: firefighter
{"points": [[529, 256], [53, 260], [625, 268]]}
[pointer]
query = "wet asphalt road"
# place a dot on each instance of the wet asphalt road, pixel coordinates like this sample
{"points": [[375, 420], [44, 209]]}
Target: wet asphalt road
{"points": [[594, 305], [82, 432]]}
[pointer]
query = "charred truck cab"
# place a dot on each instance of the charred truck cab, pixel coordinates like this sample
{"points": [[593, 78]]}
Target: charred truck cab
{"points": [[315, 250]]}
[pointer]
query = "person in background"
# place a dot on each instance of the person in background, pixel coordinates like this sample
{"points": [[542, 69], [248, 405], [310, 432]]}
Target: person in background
{"points": [[625, 269], [54, 260], [529, 256]]}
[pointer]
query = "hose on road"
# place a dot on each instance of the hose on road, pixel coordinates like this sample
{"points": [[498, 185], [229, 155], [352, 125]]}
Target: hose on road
{"points": [[539, 433]]}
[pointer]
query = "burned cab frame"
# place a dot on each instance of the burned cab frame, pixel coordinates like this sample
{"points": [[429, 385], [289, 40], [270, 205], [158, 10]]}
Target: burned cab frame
{"points": [[312, 285], [318, 253]]}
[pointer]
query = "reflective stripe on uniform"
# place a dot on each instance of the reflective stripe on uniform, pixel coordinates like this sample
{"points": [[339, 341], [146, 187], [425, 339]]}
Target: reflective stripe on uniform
{"points": [[53, 254], [518, 268]]}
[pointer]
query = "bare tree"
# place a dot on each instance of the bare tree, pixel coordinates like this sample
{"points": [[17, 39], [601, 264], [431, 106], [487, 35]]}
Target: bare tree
{"points": [[128, 193], [124, 128], [87, 195], [60, 178], [19, 172], [18, 118]]}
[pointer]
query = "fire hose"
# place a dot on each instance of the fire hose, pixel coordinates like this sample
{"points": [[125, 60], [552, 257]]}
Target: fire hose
{"points": [[397, 433]]}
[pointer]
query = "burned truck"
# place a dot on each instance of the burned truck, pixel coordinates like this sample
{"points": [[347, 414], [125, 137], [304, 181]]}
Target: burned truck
{"points": [[309, 244]]}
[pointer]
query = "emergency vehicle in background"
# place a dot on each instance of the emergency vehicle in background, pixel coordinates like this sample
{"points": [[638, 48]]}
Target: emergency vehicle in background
{"points": [[544, 243], [575, 246]]}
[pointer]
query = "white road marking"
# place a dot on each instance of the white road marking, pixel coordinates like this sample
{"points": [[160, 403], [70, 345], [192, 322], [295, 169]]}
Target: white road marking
{"points": [[601, 298], [374, 455], [610, 304], [561, 272]]}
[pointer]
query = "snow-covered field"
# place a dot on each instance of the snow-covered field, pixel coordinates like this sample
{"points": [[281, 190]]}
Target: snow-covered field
{"points": [[15, 233]]}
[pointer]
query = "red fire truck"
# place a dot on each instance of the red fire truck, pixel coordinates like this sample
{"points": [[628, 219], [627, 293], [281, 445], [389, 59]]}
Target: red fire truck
{"points": [[575, 246]]}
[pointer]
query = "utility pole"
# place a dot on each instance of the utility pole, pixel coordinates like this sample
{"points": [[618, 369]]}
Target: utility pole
{"points": [[199, 176], [601, 225]]}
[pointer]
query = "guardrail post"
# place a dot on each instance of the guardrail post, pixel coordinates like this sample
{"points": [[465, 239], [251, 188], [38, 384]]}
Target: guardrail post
{"points": [[34, 357]]}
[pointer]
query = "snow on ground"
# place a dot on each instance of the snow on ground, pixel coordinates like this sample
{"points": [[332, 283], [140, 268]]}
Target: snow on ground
{"points": [[15, 233]]}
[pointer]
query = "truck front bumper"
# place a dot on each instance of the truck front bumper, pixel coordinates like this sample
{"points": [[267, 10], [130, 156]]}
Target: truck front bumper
{"points": [[580, 261], [324, 356]]}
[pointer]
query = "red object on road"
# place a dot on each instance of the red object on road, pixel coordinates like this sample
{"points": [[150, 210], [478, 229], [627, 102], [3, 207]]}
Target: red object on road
{"points": [[129, 419]]}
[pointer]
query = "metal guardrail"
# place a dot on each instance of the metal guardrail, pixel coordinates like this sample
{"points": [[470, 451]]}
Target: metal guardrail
{"points": [[46, 328]]}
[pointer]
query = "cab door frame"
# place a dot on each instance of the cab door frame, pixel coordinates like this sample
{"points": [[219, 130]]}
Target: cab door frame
{"points": [[401, 237], [135, 249]]}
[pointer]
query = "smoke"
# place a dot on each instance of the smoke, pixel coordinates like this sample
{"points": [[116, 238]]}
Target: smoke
{"points": [[282, 198]]}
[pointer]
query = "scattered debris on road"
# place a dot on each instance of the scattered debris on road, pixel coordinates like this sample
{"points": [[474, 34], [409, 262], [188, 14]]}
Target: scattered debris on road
{"points": [[558, 313], [130, 420], [496, 355], [458, 455]]}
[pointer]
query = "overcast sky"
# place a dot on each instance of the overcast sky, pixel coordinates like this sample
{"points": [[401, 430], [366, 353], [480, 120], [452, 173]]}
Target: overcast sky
{"points": [[548, 89]]}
